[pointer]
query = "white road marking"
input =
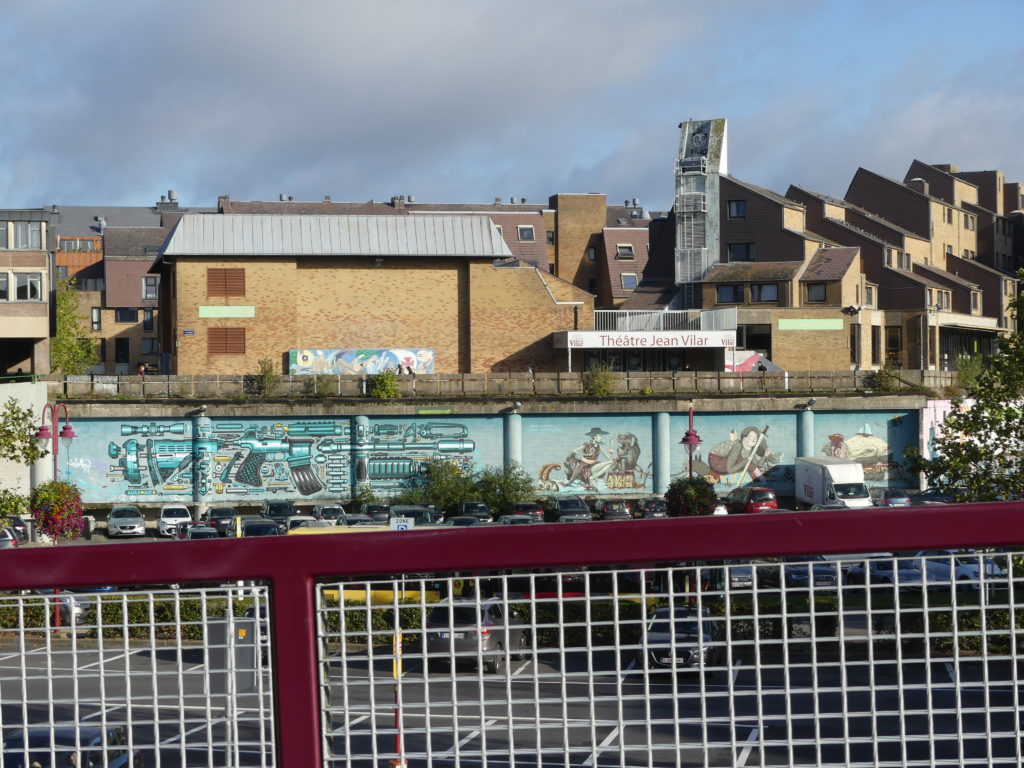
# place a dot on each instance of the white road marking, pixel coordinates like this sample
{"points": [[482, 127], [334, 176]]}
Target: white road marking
{"points": [[746, 750], [950, 672], [341, 731], [600, 747], [451, 752], [177, 736]]}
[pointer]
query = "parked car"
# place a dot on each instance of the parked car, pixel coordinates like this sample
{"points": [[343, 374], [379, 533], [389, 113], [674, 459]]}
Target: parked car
{"points": [[475, 509], [739, 572], [750, 498], [233, 530], [557, 507], [421, 515], [8, 538], [354, 518], [653, 507], [181, 530], [219, 517], [462, 521], [170, 516], [328, 511], [19, 527], [125, 520], [797, 571], [278, 510], [905, 573], [612, 509], [937, 496], [517, 520], [885, 496], [75, 603], [462, 630], [377, 512], [963, 567], [199, 531], [262, 527], [296, 520], [682, 638], [73, 747], [528, 508]]}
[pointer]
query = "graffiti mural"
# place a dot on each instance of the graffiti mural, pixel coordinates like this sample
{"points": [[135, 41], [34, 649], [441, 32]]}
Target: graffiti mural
{"points": [[577, 455], [357, 361], [251, 459]]}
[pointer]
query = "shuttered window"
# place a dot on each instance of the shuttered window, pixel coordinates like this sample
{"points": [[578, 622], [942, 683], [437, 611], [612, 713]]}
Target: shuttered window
{"points": [[225, 341], [225, 282]]}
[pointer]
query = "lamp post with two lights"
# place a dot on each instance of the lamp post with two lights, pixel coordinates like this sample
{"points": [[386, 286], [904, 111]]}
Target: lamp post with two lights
{"points": [[48, 431]]}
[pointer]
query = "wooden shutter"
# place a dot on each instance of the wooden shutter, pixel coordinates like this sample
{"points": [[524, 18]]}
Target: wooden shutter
{"points": [[225, 341], [225, 282]]}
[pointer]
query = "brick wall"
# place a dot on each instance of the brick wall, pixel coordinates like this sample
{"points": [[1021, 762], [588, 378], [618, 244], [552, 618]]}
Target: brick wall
{"points": [[579, 220]]}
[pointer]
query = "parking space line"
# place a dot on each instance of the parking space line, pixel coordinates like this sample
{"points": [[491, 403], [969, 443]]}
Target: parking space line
{"points": [[177, 736], [950, 672], [600, 747], [745, 754], [451, 752], [341, 731]]}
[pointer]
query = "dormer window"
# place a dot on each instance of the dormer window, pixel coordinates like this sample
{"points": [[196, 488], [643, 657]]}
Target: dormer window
{"points": [[815, 293], [624, 251], [526, 234], [629, 281]]}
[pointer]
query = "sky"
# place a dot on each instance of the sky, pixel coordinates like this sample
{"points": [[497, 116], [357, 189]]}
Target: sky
{"points": [[115, 102]]}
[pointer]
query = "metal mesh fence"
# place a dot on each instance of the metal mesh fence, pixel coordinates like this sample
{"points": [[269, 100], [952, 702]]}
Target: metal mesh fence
{"points": [[155, 677], [802, 661]]}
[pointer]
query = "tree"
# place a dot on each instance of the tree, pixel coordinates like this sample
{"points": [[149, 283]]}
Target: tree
{"points": [[979, 452], [18, 435], [72, 353], [691, 497], [447, 485], [501, 487]]}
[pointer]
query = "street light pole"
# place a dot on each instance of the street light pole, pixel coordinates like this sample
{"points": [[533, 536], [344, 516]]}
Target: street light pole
{"points": [[48, 432], [691, 440]]}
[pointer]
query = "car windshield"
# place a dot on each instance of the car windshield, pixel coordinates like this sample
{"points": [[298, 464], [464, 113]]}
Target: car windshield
{"points": [[572, 505], [851, 490], [683, 627], [474, 506], [279, 508], [119, 514], [260, 529], [762, 495], [222, 513], [459, 614], [204, 535]]}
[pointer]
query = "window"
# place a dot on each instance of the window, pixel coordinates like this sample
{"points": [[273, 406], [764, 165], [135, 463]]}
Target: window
{"points": [[869, 295], [947, 215], [150, 287], [888, 256], [225, 341], [550, 235], [498, 227], [876, 345], [101, 350], [931, 299], [3, 234], [147, 319], [949, 250], [90, 284], [737, 209], [624, 251], [97, 319], [126, 315], [76, 244], [591, 254], [150, 347], [28, 286], [944, 299], [893, 344], [729, 294], [592, 285], [525, 233], [225, 282], [903, 260], [975, 296], [628, 281], [28, 234], [815, 292], [969, 222], [764, 292], [741, 251], [122, 350], [4, 295], [855, 343]]}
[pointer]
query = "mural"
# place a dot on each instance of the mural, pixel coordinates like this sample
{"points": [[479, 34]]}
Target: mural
{"points": [[245, 460], [356, 361], [251, 459], [585, 455]]}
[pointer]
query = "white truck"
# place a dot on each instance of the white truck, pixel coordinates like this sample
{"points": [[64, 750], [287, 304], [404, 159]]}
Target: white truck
{"points": [[827, 480]]}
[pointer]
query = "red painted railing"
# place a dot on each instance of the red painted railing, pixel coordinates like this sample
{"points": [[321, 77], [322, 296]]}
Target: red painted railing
{"points": [[292, 564]]}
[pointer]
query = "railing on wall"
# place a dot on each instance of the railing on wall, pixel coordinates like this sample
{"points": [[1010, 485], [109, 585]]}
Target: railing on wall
{"points": [[455, 385], [667, 320], [252, 659]]}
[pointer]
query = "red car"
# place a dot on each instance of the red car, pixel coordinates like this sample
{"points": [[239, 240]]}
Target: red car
{"points": [[751, 498]]}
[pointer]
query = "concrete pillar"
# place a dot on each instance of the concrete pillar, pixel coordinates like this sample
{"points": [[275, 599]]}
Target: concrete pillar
{"points": [[360, 452], [513, 439], [662, 452], [204, 448], [805, 432]]}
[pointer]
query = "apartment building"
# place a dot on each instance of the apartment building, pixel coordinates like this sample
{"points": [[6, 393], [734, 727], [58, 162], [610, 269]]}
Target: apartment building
{"points": [[26, 241]]}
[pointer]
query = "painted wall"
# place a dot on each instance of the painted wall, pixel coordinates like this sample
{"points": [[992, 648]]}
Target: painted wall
{"points": [[355, 361], [324, 458]]}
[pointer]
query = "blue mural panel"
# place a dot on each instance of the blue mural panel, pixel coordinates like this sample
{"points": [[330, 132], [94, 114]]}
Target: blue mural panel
{"points": [[595, 454], [248, 459], [358, 361]]}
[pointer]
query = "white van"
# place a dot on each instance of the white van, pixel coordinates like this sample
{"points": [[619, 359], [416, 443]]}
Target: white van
{"points": [[170, 516]]}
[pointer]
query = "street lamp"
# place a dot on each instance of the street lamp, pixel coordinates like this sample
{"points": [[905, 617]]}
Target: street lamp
{"points": [[691, 440], [48, 432]]}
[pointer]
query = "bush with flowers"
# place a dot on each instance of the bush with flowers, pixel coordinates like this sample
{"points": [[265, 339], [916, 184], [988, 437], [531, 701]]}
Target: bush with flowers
{"points": [[57, 507]]}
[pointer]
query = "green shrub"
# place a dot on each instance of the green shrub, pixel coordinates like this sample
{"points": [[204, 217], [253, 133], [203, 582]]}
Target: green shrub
{"points": [[265, 382], [598, 380], [320, 386], [383, 386]]}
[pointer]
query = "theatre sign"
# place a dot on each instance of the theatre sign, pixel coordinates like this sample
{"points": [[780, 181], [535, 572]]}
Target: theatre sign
{"points": [[643, 339]]}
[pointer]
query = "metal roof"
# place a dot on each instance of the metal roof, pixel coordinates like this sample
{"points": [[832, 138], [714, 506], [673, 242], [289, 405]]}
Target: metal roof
{"points": [[290, 235]]}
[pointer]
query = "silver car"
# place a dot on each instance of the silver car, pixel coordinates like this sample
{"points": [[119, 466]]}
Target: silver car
{"points": [[468, 631], [125, 520], [680, 638]]}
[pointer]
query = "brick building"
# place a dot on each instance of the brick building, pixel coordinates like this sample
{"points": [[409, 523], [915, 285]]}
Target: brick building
{"points": [[26, 240], [240, 288]]}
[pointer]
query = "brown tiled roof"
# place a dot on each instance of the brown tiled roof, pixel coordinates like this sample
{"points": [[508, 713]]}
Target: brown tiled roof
{"points": [[742, 271], [654, 294], [622, 216], [829, 264], [636, 237]]}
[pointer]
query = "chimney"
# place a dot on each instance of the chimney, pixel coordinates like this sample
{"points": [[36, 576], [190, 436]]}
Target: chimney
{"points": [[411, 198], [398, 201], [918, 185], [172, 195], [636, 202], [221, 200], [283, 197], [512, 200], [327, 198], [101, 223], [497, 201]]}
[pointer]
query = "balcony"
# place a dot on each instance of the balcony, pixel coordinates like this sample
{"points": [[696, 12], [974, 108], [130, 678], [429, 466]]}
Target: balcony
{"points": [[668, 320]]}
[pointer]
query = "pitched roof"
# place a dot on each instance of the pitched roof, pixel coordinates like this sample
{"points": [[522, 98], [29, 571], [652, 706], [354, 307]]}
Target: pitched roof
{"points": [[928, 269], [79, 220], [651, 294], [742, 271], [631, 236], [767, 193], [135, 243], [829, 264], [267, 235]]}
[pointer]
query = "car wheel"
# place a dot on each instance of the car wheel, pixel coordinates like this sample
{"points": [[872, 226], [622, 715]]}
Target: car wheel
{"points": [[521, 648], [496, 664]]}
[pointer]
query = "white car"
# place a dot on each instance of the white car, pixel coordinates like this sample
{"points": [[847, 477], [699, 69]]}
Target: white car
{"points": [[170, 516]]}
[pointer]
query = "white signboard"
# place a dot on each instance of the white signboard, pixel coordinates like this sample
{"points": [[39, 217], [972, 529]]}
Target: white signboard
{"points": [[402, 523], [644, 339]]}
